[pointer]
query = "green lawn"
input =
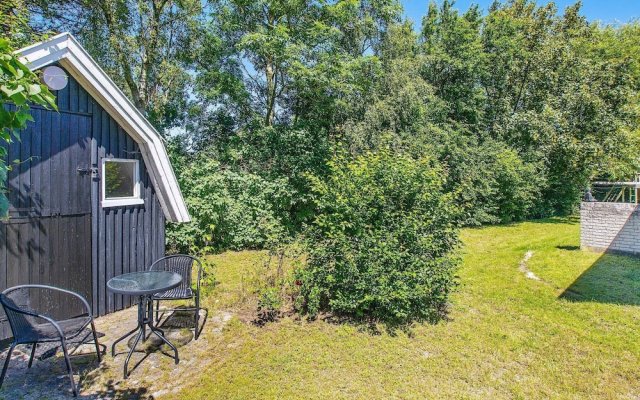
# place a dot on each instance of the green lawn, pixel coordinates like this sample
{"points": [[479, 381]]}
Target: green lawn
{"points": [[574, 334]]}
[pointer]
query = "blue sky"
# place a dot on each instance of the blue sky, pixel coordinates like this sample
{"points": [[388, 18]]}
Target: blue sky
{"points": [[606, 11]]}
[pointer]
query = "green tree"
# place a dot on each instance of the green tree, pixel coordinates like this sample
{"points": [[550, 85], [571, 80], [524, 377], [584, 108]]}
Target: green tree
{"points": [[454, 59], [540, 83], [300, 58], [14, 24], [144, 45]]}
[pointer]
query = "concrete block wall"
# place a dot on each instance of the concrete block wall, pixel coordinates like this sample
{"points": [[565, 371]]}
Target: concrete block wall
{"points": [[613, 227]]}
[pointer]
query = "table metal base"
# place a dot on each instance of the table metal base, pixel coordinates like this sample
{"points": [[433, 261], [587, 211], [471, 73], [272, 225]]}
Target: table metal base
{"points": [[145, 318]]}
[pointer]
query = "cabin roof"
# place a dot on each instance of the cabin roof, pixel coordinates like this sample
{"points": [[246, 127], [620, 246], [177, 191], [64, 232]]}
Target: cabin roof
{"points": [[65, 50]]}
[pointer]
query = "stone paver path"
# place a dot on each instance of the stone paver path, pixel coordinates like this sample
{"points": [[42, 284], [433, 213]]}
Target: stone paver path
{"points": [[152, 373]]}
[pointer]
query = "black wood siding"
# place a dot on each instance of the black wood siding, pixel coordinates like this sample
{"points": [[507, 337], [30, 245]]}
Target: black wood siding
{"points": [[57, 232], [125, 239]]}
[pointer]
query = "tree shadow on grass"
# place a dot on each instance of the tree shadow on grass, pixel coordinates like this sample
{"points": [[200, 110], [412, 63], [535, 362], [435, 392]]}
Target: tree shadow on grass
{"points": [[111, 391], [612, 279], [568, 248], [375, 327], [569, 219], [370, 327]]}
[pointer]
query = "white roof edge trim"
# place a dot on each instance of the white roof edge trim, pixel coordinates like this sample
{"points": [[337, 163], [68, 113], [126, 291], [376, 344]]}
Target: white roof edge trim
{"points": [[66, 50]]}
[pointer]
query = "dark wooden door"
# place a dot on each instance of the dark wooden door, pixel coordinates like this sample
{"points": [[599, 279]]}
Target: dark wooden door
{"points": [[47, 238]]}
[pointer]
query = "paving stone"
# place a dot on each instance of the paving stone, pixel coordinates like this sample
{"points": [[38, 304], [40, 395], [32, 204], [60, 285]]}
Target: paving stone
{"points": [[47, 379]]}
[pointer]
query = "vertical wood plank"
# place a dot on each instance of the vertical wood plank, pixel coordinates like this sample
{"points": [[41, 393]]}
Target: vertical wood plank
{"points": [[161, 231], [110, 252], [140, 265], [45, 163], [46, 261], [56, 262], [147, 221], [102, 255], [83, 101], [128, 246], [113, 138], [88, 257], [24, 166], [34, 252], [111, 218], [95, 208], [24, 246], [13, 175], [117, 244], [64, 181], [73, 156], [126, 232], [63, 98], [36, 163], [13, 255], [85, 151], [4, 325], [55, 165], [73, 95]]}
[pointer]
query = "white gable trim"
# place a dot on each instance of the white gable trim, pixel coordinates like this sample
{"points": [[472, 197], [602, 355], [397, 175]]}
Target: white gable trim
{"points": [[65, 50]]}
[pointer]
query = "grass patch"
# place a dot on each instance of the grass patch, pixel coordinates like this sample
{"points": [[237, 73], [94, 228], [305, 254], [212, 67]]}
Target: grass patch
{"points": [[573, 334]]}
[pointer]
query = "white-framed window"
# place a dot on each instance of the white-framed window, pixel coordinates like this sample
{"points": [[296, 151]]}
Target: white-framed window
{"points": [[120, 182]]}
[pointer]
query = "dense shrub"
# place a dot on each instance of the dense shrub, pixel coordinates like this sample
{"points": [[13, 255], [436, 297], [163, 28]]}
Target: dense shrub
{"points": [[491, 182], [280, 151], [383, 239], [229, 209], [516, 185]]}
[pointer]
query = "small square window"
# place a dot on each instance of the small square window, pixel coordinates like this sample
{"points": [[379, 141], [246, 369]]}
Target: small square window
{"points": [[120, 182]]}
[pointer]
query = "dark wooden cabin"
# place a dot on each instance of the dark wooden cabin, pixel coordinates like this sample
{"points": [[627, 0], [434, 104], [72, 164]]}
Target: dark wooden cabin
{"points": [[91, 193]]}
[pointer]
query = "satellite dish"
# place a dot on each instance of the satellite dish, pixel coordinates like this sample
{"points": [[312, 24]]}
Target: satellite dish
{"points": [[55, 78]]}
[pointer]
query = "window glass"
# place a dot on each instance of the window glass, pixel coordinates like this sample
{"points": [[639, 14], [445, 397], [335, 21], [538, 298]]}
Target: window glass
{"points": [[120, 179]]}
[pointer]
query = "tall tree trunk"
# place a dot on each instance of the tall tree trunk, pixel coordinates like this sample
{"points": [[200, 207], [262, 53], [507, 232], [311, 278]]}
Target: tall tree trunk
{"points": [[272, 83], [122, 58]]}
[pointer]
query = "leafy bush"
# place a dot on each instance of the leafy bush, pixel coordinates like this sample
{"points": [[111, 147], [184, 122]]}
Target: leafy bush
{"points": [[229, 209], [269, 304], [468, 166], [491, 182], [516, 185], [383, 239]]}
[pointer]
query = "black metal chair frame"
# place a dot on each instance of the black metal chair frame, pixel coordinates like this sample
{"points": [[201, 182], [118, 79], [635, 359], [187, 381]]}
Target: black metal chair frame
{"points": [[195, 294], [19, 337]]}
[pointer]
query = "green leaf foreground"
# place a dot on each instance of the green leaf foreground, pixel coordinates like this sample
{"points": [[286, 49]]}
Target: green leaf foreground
{"points": [[19, 87]]}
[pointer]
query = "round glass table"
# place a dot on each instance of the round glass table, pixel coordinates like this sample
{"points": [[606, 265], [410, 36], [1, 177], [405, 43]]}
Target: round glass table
{"points": [[144, 285]]}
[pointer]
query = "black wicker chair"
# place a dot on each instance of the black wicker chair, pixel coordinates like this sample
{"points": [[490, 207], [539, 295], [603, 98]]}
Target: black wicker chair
{"points": [[32, 327], [181, 264]]}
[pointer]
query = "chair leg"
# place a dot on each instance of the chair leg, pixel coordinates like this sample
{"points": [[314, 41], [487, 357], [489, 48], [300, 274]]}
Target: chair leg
{"points": [[95, 340], [6, 363], [196, 333], [69, 369], [33, 353], [157, 311]]}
